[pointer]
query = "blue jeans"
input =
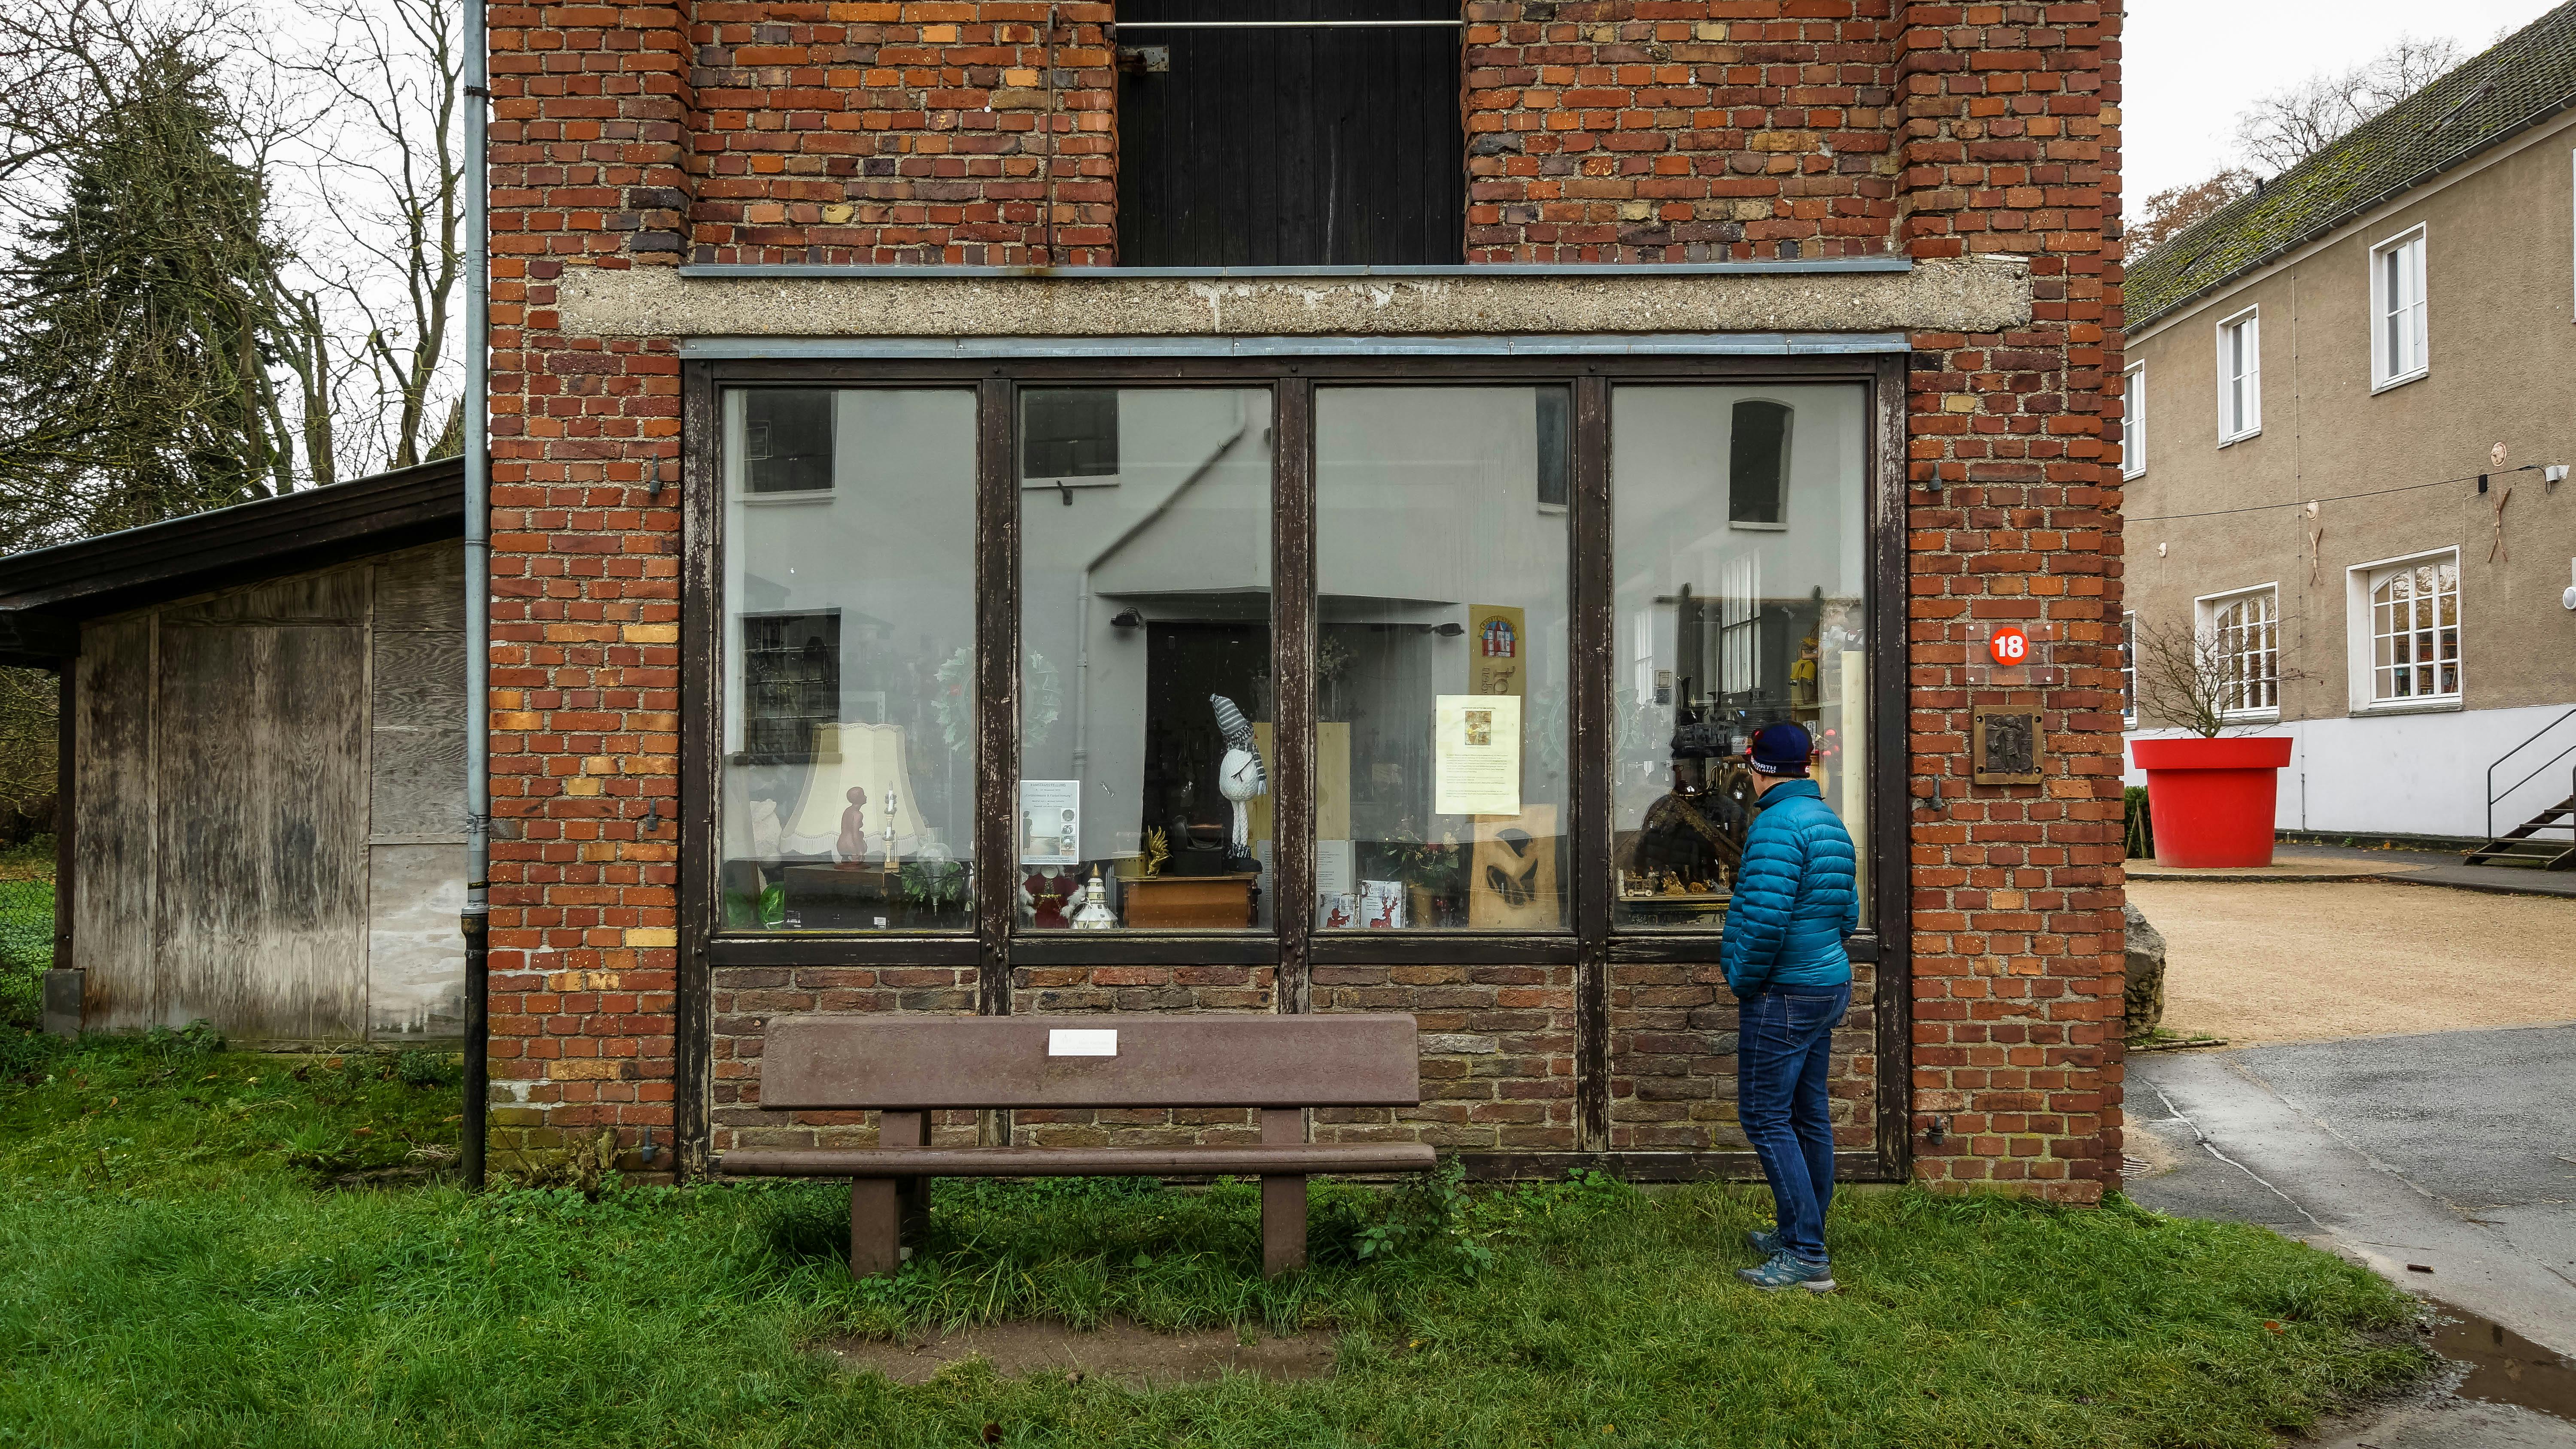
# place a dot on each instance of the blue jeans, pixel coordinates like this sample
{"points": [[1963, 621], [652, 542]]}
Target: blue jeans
{"points": [[1784, 1048]]}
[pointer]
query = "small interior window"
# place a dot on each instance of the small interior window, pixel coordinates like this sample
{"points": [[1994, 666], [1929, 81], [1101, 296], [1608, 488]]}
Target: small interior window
{"points": [[787, 440], [1757, 462]]}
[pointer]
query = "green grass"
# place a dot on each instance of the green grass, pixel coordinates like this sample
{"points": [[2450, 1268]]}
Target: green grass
{"points": [[177, 1269], [26, 948]]}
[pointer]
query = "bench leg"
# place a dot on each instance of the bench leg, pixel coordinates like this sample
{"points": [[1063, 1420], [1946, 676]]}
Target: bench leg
{"points": [[876, 1227], [1283, 1199], [881, 1208], [908, 1129]]}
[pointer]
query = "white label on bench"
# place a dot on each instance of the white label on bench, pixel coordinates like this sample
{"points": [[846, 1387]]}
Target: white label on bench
{"points": [[1085, 1043]]}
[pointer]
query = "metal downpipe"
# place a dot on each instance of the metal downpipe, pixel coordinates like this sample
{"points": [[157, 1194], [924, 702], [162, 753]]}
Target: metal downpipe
{"points": [[478, 597]]}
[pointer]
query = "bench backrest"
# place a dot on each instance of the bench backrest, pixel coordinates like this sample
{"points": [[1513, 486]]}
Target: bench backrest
{"points": [[1172, 1060]]}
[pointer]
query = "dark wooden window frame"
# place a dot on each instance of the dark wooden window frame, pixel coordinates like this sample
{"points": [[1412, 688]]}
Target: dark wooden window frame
{"points": [[1293, 946]]}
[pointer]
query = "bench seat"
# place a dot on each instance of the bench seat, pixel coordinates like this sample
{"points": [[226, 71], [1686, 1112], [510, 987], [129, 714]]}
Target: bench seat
{"points": [[906, 1067], [1301, 1159]]}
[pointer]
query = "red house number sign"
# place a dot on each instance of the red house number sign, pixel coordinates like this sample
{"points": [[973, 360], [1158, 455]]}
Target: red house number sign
{"points": [[2009, 647]]}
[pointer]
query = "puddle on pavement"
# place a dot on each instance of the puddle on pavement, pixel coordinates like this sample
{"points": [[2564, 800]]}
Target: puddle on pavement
{"points": [[2504, 1367], [1119, 1351]]}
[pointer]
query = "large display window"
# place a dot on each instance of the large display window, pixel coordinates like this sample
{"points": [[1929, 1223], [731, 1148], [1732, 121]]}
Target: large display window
{"points": [[1062, 660]]}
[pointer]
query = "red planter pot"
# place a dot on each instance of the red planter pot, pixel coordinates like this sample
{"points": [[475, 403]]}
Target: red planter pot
{"points": [[2212, 799]]}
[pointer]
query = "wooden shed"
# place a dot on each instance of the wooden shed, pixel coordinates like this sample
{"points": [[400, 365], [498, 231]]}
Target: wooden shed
{"points": [[264, 760]]}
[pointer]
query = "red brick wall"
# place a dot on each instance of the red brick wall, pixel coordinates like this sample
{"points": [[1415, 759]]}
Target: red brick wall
{"points": [[2017, 923], [1627, 130], [1662, 131], [902, 132], [590, 122]]}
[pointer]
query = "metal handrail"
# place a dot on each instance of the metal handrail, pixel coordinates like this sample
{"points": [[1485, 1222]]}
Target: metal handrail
{"points": [[2493, 797]]}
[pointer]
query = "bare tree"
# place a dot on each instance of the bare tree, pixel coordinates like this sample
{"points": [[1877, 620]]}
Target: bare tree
{"points": [[2176, 208], [2191, 678], [389, 165], [2289, 126]]}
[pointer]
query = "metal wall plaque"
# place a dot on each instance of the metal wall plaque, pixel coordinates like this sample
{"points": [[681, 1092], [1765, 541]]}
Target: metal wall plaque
{"points": [[2005, 744]]}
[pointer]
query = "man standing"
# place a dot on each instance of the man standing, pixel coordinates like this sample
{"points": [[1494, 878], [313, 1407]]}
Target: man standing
{"points": [[1794, 903]]}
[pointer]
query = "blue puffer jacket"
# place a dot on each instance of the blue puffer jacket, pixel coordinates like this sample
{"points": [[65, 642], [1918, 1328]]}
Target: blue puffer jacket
{"points": [[1795, 896]]}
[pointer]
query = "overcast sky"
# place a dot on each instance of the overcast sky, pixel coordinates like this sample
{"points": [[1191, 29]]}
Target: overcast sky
{"points": [[2190, 65]]}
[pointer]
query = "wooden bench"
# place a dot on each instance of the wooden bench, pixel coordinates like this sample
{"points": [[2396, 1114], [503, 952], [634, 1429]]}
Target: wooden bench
{"points": [[907, 1067]]}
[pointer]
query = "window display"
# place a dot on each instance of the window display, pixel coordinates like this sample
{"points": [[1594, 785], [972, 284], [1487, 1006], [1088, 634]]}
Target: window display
{"points": [[1738, 527], [1140, 772], [1442, 589], [1145, 712], [848, 772]]}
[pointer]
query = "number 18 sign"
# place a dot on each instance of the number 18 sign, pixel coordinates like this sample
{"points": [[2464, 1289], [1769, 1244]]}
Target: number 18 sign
{"points": [[2009, 647]]}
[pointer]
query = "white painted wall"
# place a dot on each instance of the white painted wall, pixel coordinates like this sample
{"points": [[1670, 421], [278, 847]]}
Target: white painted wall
{"points": [[2410, 774]]}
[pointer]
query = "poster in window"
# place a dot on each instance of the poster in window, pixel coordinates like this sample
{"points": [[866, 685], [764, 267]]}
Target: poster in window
{"points": [[1498, 649], [1476, 754], [1050, 822]]}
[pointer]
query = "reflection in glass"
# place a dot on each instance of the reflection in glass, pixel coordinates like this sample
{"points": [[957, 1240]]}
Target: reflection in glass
{"points": [[1723, 627], [1441, 562], [1146, 745], [848, 780]]}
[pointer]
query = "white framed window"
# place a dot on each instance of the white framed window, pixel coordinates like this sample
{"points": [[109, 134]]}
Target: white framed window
{"points": [[2129, 670], [2245, 631], [2240, 376], [2398, 339], [2133, 420], [2406, 631]]}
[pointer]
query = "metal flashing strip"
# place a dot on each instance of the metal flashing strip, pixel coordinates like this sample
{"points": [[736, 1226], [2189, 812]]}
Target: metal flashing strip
{"points": [[1657, 344], [779, 271]]}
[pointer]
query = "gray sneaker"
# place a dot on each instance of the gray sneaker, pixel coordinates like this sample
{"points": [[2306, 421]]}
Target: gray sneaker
{"points": [[1764, 1241], [1786, 1271]]}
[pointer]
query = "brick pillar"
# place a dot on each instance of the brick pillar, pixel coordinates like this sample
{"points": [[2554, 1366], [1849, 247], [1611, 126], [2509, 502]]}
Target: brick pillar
{"points": [[2008, 149], [590, 131]]}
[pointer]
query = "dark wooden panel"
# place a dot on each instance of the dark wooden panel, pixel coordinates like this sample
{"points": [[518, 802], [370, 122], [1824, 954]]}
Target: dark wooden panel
{"points": [[422, 588], [113, 878], [261, 897], [1292, 147], [333, 596], [1178, 1059]]}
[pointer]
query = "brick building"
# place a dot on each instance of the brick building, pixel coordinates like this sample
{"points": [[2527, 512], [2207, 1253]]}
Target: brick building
{"points": [[935, 444]]}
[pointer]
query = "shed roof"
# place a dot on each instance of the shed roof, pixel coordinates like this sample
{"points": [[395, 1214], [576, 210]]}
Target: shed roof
{"points": [[46, 592], [2515, 84]]}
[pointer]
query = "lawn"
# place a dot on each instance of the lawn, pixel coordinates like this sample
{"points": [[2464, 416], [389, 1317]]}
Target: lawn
{"points": [[200, 1247]]}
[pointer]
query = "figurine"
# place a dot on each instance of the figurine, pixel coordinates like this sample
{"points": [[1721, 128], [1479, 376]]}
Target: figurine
{"points": [[854, 830], [1158, 849], [1239, 776], [1047, 894], [1094, 914]]}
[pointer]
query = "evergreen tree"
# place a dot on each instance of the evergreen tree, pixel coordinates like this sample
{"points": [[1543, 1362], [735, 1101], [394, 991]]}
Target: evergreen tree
{"points": [[138, 323]]}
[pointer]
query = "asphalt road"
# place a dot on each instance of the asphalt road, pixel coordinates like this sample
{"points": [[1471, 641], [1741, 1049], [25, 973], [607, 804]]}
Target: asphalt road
{"points": [[2453, 1152]]}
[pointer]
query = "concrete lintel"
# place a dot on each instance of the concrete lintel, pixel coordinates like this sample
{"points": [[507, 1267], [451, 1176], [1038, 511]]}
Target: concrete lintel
{"points": [[1981, 295], [1554, 344]]}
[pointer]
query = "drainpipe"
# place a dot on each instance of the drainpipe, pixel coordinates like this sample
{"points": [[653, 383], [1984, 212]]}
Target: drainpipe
{"points": [[478, 596]]}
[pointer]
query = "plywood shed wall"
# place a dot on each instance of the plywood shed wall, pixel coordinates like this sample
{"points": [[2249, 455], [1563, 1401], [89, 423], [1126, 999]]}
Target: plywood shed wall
{"points": [[270, 807]]}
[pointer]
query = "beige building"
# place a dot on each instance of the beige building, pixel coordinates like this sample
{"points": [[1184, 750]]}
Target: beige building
{"points": [[2346, 429]]}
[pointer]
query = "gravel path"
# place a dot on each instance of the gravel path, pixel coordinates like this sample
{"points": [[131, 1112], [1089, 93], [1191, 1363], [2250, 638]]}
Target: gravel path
{"points": [[2271, 962]]}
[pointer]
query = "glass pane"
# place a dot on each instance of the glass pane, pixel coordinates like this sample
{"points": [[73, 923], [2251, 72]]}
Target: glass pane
{"points": [[1442, 582], [849, 728], [1145, 688], [1721, 631], [1757, 457]]}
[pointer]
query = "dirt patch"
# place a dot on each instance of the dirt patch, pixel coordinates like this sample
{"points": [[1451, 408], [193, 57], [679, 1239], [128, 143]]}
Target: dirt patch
{"points": [[1121, 1352], [2271, 962]]}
